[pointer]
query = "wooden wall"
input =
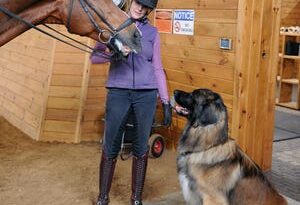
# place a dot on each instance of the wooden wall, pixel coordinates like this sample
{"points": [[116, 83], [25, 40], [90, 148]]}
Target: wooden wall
{"points": [[24, 70], [66, 96], [196, 61], [50, 90], [245, 76], [94, 108], [290, 14]]}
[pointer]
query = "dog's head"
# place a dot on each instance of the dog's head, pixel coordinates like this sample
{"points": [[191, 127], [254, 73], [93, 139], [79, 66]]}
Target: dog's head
{"points": [[202, 106]]}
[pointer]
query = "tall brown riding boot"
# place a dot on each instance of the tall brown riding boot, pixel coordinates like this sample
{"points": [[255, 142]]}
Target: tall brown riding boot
{"points": [[139, 167], [107, 168]]}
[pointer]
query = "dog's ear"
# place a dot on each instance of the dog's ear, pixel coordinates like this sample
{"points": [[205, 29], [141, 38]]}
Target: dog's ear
{"points": [[213, 97], [204, 115], [208, 117], [196, 115]]}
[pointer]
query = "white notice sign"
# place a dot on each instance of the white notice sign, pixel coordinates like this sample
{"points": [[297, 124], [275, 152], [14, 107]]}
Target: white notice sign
{"points": [[183, 22]]}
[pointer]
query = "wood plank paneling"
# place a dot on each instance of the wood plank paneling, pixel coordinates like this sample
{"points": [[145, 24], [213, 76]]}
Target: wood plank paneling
{"points": [[92, 126], [199, 68], [26, 81], [63, 103], [94, 115], [89, 137], [97, 92], [228, 99], [25, 61], [215, 29], [20, 69], [96, 104], [61, 114], [200, 55], [60, 126], [38, 42], [200, 41], [196, 61], [32, 119], [28, 105], [290, 13], [66, 80], [13, 108], [71, 58], [94, 108], [18, 122], [199, 4], [67, 69], [219, 85], [22, 91], [97, 82], [97, 70], [30, 52], [57, 136], [216, 15], [65, 92], [24, 65]]}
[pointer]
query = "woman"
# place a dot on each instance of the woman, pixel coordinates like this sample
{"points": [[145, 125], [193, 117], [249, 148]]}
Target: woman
{"points": [[133, 84]]}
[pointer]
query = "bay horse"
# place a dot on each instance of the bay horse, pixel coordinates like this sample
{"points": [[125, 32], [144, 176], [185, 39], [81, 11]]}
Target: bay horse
{"points": [[77, 15]]}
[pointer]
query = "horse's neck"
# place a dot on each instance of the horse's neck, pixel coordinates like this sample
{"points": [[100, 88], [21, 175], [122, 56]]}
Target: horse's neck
{"points": [[15, 6], [33, 10]]}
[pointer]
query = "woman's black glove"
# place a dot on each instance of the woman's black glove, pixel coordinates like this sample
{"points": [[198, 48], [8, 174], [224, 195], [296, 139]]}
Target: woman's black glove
{"points": [[167, 111]]}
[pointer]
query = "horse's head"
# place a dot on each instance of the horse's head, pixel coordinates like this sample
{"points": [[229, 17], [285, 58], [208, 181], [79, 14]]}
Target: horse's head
{"points": [[120, 31]]}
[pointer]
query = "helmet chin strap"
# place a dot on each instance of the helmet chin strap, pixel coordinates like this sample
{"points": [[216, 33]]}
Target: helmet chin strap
{"points": [[145, 16]]}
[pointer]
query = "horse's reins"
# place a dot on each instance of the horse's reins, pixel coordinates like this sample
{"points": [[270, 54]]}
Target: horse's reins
{"points": [[113, 31], [13, 15]]}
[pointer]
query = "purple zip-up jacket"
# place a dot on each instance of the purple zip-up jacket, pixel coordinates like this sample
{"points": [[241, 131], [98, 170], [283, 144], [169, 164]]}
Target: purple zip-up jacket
{"points": [[140, 71]]}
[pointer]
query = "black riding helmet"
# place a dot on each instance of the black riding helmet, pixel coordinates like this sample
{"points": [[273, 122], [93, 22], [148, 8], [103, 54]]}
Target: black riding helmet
{"points": [[148, 3]]}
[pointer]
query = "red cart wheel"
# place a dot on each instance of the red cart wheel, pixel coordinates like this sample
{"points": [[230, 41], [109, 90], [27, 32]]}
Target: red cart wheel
{"points": [[157, 145]]}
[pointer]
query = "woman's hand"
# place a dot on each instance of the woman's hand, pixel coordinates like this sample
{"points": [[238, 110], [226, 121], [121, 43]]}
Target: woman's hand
{"points": [[167, 111]]}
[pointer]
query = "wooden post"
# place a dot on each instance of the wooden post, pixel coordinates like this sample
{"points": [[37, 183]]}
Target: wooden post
{"points": [[46, 92], [83, 95], [255, 78]]}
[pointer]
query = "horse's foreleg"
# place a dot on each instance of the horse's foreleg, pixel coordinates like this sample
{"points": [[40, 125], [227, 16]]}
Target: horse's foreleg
{"points": [[35, 14]]}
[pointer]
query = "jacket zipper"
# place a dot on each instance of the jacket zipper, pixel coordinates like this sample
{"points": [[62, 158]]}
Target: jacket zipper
{"points": [[133, 72]]}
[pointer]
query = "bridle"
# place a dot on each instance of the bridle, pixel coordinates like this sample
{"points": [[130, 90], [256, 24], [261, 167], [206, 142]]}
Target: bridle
{"points": [[87, 6], [114, 32]]}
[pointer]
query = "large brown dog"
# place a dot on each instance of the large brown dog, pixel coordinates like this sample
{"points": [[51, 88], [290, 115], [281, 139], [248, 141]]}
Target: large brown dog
{"points": [[212, 169]]}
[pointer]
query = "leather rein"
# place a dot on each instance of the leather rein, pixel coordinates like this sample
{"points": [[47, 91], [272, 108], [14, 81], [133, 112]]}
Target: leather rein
{"points": [[85, 4]]}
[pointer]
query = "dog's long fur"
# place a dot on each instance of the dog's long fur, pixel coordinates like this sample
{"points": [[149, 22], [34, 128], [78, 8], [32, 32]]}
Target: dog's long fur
{"points": [[212, 169]]}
